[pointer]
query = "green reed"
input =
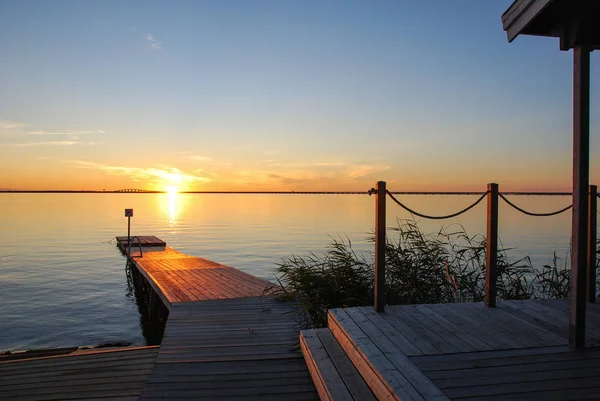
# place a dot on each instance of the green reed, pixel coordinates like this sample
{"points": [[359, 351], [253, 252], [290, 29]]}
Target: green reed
{"points": [[447, 266]]}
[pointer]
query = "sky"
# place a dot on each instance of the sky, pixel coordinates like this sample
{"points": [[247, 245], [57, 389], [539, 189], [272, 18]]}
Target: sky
{"points": [[282, 96]]}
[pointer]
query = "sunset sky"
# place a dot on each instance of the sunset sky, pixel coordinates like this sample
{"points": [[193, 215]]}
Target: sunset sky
{"points": [[282, 95]]}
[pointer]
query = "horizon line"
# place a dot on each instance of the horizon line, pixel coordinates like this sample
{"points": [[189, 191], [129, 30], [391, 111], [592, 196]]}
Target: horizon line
{"points": [[141, 191]]}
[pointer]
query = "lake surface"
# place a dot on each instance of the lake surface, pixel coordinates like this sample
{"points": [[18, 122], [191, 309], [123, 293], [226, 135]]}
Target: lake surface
{"points": [[63, 282]]}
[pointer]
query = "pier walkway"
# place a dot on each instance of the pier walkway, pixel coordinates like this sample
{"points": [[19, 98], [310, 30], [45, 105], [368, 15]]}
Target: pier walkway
{"points": [[226, 338]]}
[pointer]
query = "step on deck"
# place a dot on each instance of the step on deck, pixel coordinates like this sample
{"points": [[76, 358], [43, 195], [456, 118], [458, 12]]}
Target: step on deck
{"points": [[390, 374], [334, 375]]}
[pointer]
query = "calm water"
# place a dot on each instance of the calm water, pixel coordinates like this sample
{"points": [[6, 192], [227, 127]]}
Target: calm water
{"points": [[63, 281]]}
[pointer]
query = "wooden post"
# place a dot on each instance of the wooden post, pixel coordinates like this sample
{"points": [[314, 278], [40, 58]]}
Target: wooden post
{"points": [[129, 215], [380, 197], [592, 239], [491, 246], [581, 164]]}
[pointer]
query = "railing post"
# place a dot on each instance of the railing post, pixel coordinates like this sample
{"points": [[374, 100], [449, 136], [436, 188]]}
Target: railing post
{"points": [[491, 246], [380, 197], [592, 239], [581, 182]]}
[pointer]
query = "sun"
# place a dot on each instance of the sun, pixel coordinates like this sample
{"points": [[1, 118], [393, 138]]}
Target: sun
{"points": [[172, 190]]}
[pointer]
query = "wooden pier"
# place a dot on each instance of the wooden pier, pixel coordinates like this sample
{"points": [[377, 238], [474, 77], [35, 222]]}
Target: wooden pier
{"points": [[226, 338]]}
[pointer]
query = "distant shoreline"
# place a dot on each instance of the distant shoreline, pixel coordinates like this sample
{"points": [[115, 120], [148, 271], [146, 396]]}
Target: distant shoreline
{"points": [[60, 191]]}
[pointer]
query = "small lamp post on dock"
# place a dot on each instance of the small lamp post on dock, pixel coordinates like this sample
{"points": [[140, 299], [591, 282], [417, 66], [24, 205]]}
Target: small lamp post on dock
{"points": [[129, 215], [577, 24]]}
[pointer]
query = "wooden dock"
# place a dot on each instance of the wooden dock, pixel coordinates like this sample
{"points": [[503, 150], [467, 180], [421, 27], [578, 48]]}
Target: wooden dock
{"points": [[465, 351], [92, 375], [226, 338]]}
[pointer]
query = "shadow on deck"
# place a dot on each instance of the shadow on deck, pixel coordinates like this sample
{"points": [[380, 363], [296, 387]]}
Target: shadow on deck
{"points": [[516, 351]]}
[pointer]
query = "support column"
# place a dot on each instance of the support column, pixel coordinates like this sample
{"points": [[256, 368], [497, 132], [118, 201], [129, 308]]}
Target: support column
{"points": [[581, 164], [491, 246], [380, 197]]}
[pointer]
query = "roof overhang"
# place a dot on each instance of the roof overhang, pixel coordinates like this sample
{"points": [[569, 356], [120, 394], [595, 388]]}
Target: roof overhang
{"points": [[574, 22]]}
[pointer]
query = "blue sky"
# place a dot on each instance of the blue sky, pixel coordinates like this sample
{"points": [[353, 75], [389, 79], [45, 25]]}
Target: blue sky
{"points": [[269, 95]]}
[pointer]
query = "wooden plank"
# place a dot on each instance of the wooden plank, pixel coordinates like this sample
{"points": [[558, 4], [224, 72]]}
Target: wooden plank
{"points": [[351, 377], [121, 373], [473, 341], [521, 329], [325, 376], [468, 323], [404, 344], [370, 373], [411, 316], [533, 315], [406, 331], [501, 322], [389, 368], [551, 395], [445, 363], [494, 354], [523, 388], [484, 378]]}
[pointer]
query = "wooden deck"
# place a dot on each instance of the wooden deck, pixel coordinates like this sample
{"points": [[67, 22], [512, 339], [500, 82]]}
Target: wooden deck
{"points": [[226, 338], [143, 240], [518, 350], [114, 374], [177, 277], [242, 349]]}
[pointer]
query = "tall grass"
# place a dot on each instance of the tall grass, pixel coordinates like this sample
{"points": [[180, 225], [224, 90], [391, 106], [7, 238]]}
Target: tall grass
{"points": [[447, 266]]}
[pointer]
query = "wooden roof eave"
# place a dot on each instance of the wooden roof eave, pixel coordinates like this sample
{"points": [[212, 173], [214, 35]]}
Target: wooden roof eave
{"points": [[574, 22], [520, 14]]}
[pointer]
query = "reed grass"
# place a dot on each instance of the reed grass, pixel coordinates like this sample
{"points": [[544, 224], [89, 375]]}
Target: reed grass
{"points": [[443, 267]]}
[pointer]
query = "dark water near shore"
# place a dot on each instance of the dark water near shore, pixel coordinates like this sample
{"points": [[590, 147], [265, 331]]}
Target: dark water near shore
{"points": [[63, 282]]}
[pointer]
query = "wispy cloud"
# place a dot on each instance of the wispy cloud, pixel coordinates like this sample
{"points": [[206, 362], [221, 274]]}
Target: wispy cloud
{"points": [[6, 124], [364, 170], [200, 158], [51, 143], [62, 133], [154, 44], [160, 174], [306, 164]]}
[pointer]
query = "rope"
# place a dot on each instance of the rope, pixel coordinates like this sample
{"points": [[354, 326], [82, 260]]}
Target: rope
{"points": [[534, 214], [437, 217]]}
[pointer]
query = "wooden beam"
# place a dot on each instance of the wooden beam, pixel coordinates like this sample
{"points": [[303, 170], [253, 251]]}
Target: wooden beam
{"points": [[380, 197], [491, 247], [520, 14], [581, 164], [592, 239]]}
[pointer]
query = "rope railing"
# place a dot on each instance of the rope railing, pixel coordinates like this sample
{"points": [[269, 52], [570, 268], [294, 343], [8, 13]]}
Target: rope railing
{"points": [[532, 213], [448, 216], [585, 268]]}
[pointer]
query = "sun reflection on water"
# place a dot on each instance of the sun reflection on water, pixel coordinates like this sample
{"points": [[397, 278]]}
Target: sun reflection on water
{"points": [[172, 205]]}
